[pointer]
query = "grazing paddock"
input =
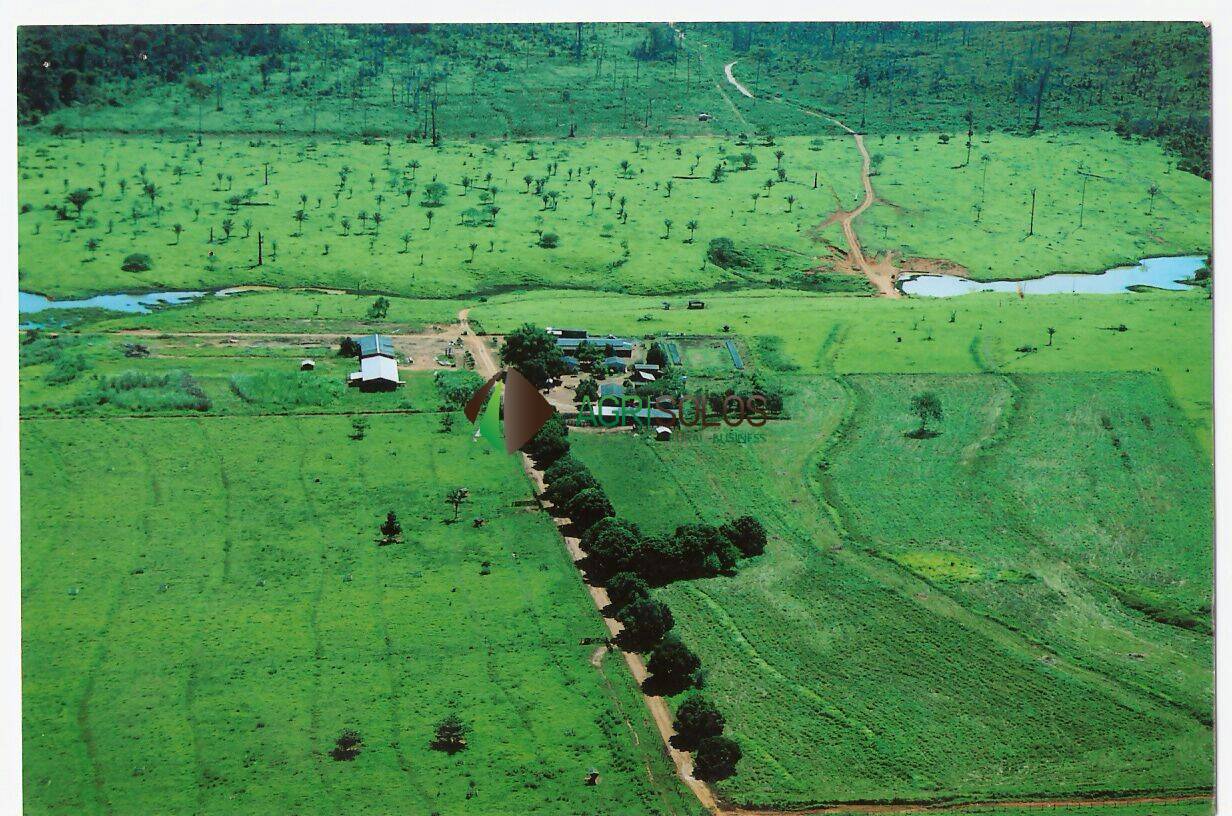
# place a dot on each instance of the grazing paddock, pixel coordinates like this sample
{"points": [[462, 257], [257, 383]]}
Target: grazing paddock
{"points": [[207, 608]]}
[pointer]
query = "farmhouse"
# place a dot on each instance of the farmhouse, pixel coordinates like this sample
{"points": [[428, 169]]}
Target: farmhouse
{"points": [[611, 390], [568, 341], [378, 368]]}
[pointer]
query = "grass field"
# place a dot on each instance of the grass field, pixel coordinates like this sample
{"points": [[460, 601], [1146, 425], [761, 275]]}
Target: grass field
{"points": [[846, 676], [222, 185], [1168, 333], [206, 609], [1056, 504]]}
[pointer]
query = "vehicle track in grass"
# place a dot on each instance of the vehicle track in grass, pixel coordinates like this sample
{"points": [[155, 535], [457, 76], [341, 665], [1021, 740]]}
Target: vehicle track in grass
{"points": [[880, 272]]}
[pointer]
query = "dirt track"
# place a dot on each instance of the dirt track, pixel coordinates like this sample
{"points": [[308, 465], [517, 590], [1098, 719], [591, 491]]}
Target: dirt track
{"points": [[882, 273], [485, 364]]}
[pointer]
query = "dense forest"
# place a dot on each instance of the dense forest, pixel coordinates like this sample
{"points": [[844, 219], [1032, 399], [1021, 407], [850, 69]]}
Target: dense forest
{"points": [[1147, 80]]}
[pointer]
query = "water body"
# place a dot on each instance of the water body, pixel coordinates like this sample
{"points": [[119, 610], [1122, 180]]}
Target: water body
{"points": [[30, 303], [1158, 273]]}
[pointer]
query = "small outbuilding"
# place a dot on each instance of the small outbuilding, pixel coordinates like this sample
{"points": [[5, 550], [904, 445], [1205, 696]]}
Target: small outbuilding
{"points": [[662, 433], [371, 345], [615, 364], [307, 365], [704, 117], [697, 304]]}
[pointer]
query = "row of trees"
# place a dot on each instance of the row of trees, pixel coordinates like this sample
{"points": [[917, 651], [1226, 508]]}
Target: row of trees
{"points": [[627, 563]]}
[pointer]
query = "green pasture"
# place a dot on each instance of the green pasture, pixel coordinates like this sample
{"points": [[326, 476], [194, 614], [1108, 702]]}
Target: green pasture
{"points": [[1093, 210], [1169, 333], [848, 677], [337, 247], [1069, 507], [206, 609]]}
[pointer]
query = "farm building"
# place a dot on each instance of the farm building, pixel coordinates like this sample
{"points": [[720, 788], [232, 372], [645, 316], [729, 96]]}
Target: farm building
{"points": [[378, 369], [608, 414], [642, 376], [611, 390], [697, 304], [377, 373], [375, 344], [568, 341], [307, 365], [662, 433], [615, 364], [571, 364]]}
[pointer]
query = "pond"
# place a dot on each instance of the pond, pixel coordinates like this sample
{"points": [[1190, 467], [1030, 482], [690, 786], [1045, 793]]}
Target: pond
{"points": [[30, 303], [1157, 273]]}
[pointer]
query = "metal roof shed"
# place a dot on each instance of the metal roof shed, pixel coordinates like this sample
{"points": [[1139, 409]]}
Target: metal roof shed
{"points": [[378, 374], [371, 345]]}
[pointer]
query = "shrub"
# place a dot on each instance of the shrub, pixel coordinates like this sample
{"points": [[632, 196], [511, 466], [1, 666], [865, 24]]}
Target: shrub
{"points": [[145, 392], [673, 666], [723, 253], [549, 240], [624, 587], [550, 443], [746, 534], [612, 545], [348, 347], [137, 262], [66, 369], [456, 387], [565, 488]]}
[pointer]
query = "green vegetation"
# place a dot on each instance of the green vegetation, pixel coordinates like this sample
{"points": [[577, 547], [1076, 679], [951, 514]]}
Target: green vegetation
{"points": [[233, 584], [837, 670], [967, 558]]}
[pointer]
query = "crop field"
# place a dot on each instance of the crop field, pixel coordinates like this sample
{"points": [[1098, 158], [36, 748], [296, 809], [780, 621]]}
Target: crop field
{"points": [[207, 609], [819, 645]]}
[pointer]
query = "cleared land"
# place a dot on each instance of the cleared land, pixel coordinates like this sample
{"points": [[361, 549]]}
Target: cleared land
{"points": [[206, 609], [848, 677]]}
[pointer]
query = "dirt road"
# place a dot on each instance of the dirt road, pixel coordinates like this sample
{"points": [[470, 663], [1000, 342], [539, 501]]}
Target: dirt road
{"points": [[881, 273], [485, 364]]}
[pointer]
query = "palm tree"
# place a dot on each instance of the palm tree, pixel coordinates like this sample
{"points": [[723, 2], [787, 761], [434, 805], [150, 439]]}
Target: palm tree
{"points": [[1152, 191], [177, 229], [755, 197], [406, 242], [592, 184], [692, 228], [300, 215], [667, 224], [610, 196], [668, 185], [430, 215], [473, 246], [791, 202], [778, 158], [227, 226], [414, 165]]}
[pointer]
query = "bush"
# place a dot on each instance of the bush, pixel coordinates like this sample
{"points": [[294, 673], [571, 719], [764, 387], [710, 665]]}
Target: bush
{"points": [[612, 545], [549, 240], [286, 389], [550, 443], [696, 719], [348, 347], [456, 387], [137, 262], [66, 369], [723, 253], [716, 758], [141, 392], [564, 466], [562, 491]]}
